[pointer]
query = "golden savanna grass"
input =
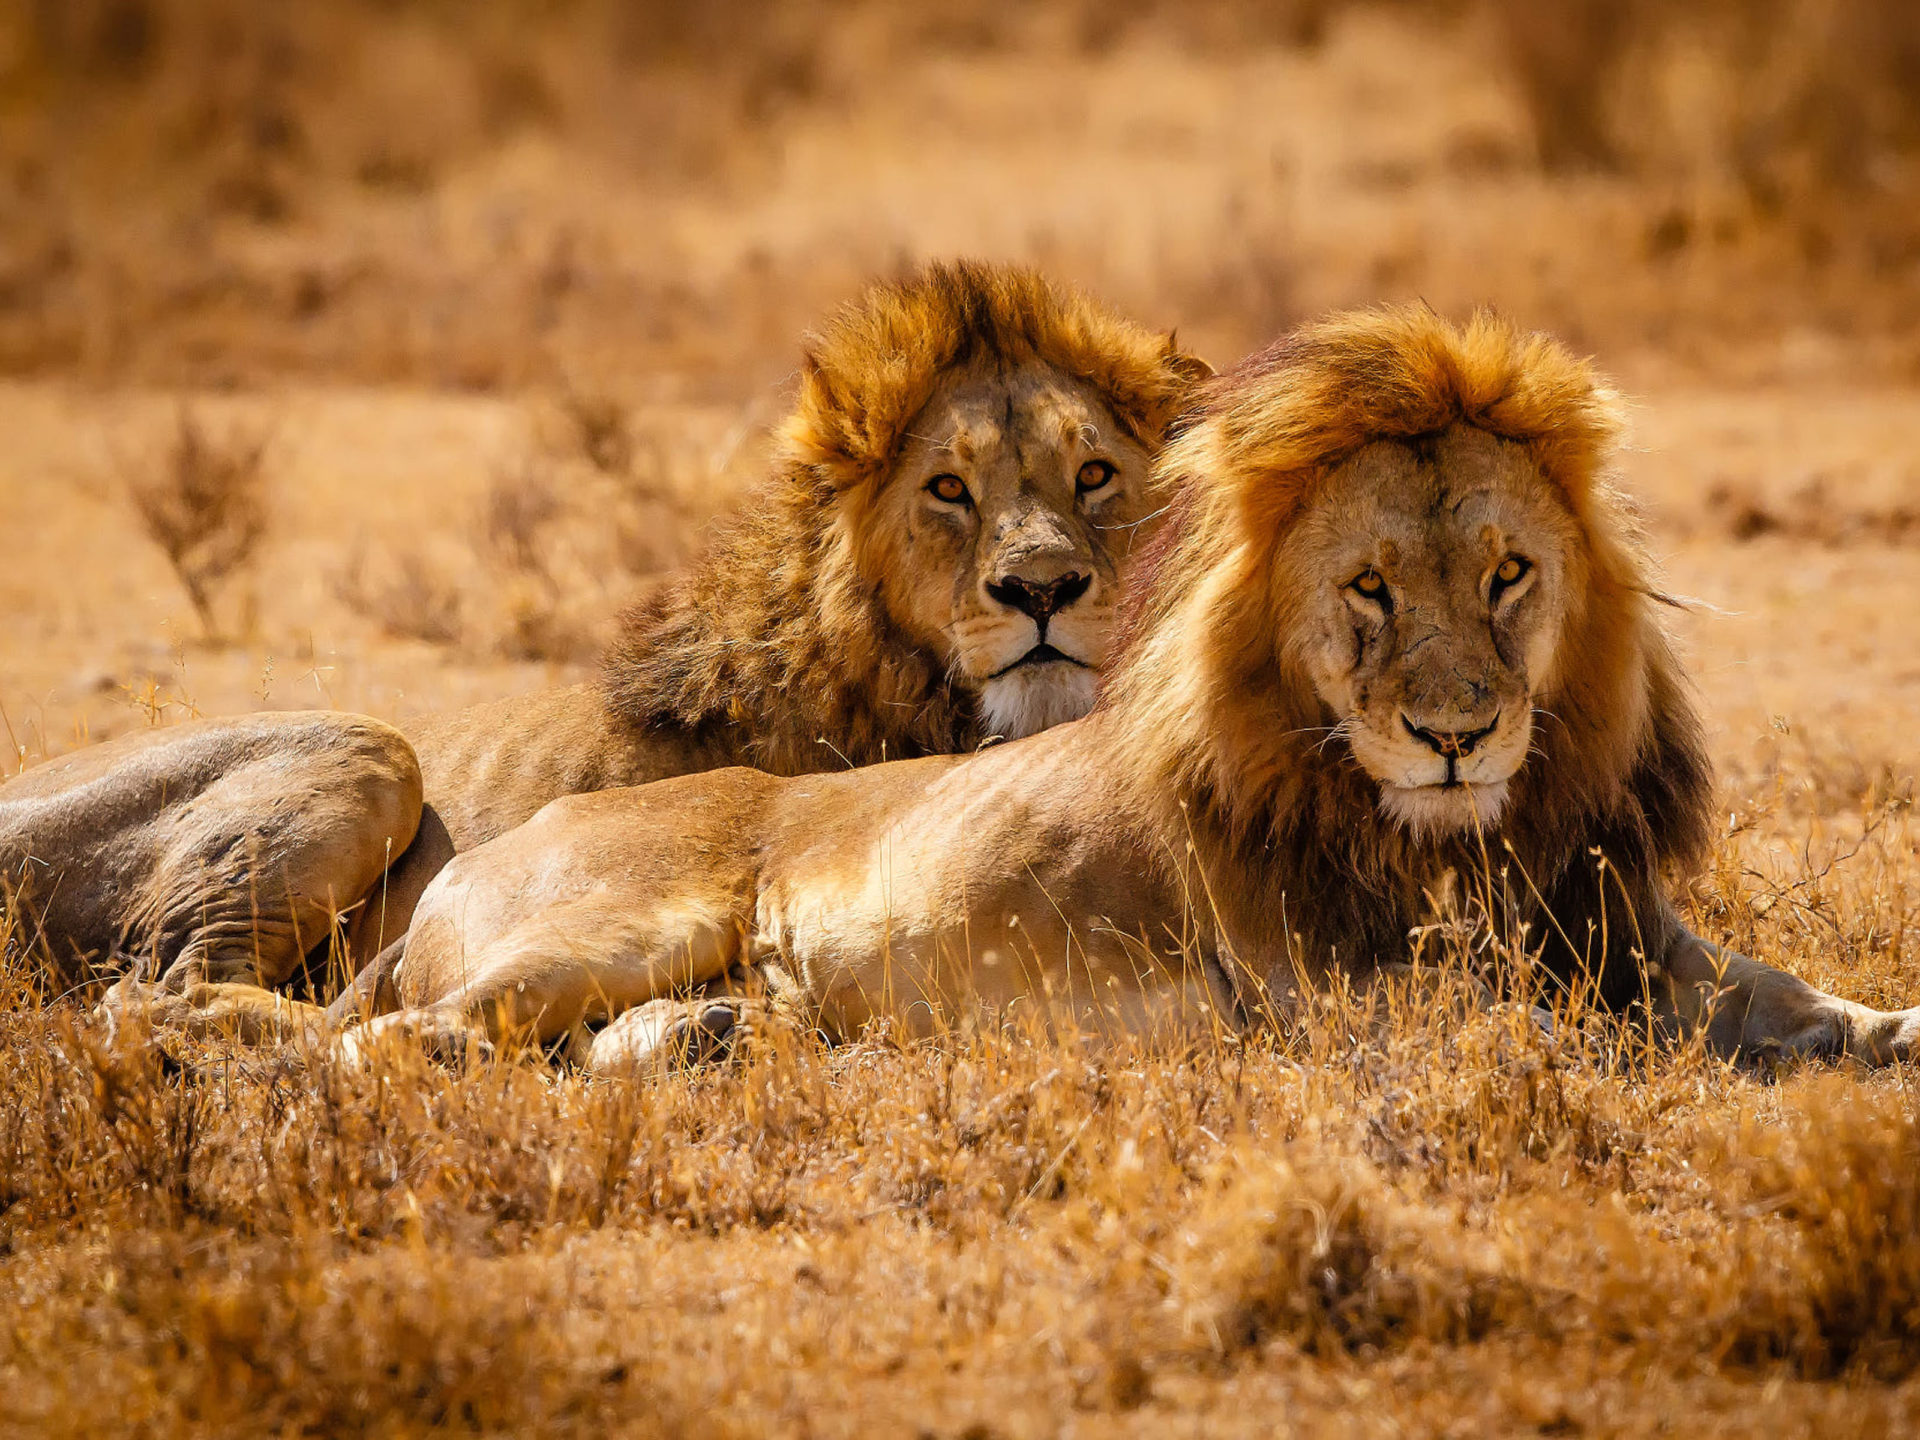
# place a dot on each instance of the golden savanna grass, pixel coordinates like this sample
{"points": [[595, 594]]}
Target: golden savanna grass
{"points": [[470, 318]]}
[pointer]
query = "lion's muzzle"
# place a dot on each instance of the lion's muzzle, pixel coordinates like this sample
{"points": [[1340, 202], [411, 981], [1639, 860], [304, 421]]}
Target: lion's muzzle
{"points": [[1451, 745]]}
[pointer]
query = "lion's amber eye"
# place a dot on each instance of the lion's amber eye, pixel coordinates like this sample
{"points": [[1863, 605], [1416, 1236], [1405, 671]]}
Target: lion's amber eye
{"points": [[1507, 573], [1371, 588], [950, 488], [1094, 475]]}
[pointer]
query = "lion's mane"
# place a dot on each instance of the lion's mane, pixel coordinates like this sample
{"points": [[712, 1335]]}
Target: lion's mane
{"points": [[777, 637], [1225, 739]]}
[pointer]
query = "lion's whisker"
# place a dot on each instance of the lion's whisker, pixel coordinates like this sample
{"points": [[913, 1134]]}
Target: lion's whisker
{"points": [[1135, 524], [1334, 732]]}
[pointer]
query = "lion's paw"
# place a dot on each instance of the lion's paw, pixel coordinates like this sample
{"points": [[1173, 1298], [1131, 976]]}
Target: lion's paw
{"points": [[667, 1035], [1883, 1037], [443, 1039], [144, 1002]]}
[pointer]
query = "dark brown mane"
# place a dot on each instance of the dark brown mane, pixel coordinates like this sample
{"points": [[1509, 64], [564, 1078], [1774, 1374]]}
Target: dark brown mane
{"points": [[1227, 743]]}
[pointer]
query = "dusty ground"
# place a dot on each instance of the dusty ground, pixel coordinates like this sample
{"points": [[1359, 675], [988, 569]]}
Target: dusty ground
{"points": [[1456, 1228]]}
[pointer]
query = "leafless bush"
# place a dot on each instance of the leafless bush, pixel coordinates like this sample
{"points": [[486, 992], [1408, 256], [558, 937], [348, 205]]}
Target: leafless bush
{"points": [[411, 599], [510, 529], [203, 503]]}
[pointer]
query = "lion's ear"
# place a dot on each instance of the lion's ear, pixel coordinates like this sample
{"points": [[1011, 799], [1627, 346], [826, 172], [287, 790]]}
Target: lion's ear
{"points": [[1184, 363]]}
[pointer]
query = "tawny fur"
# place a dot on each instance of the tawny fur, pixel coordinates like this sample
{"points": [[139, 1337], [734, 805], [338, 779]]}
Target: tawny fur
{"points": [[1204, 844]]}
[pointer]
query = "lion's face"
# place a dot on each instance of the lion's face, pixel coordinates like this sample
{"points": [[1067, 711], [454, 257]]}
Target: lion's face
{"points": [[1436, 578], [1001, 532]]}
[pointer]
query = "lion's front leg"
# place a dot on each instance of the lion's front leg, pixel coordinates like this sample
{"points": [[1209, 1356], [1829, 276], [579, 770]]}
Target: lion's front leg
{"points": [[236, 1011], [1750, 1010]]}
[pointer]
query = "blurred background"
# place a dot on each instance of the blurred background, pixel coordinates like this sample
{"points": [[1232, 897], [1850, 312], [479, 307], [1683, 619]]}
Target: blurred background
{"points": [[373, 351], [491, 193]]}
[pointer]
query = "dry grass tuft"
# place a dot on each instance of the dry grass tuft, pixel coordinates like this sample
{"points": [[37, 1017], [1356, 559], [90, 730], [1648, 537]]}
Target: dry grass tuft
{"points": [[550, 549], [600, 430], [202, 501], [1323, 1258], [1828, 1277], [1810, 511], [411, 601]]}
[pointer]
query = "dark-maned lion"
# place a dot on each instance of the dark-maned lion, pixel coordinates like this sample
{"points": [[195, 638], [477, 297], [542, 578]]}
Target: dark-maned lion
{"points": [[933, 562], [1398, 628]]}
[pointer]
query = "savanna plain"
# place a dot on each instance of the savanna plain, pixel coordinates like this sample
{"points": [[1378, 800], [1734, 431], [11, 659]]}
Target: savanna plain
{"points": [[374, 355]]}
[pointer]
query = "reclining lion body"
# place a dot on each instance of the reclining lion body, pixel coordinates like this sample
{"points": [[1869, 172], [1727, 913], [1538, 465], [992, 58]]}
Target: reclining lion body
{"points": [[934, 562], [604, 902], [1397, 639]]}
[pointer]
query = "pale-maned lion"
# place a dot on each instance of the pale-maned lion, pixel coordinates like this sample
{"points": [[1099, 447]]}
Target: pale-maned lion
{"points": [[933, 562], [1399, 627]]}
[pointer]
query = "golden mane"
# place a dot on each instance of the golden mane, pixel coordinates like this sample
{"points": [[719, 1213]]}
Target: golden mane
{"points": [[874, 366], [1224, 736], [776, 637]]}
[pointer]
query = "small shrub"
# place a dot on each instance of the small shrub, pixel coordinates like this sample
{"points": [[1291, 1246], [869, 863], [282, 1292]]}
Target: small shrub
{"points": [[204, 506]]}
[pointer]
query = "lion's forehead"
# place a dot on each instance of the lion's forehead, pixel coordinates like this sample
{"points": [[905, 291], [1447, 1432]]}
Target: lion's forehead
{"points": [[1035, 408], [1426, 508]]}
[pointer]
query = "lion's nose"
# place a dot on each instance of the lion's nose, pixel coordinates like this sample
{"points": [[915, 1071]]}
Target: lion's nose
{"points": [[1455, 744], [1041, 599]]}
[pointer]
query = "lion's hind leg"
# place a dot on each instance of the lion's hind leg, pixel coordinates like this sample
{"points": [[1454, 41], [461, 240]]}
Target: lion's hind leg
{"points": [[254, 871], [247, 1014], [217, 850], [1749, 1010]]}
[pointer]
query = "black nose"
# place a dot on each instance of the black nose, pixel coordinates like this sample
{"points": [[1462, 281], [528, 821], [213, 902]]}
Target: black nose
{"points": [[1042, 599], [1454, 744]]}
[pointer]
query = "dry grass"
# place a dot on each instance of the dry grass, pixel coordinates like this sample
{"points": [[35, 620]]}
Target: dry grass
{"points": [[411, 601], [1408, 1216], [518, 287], [590, 512]]}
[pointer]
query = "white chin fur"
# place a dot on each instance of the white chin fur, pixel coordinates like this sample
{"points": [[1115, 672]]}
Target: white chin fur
{"points": [[1428, 811], [1028, 700]]}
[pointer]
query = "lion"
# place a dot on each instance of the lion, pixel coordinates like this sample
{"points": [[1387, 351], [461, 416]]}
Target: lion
{"points": [[1399, 627], [933, 563]]}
